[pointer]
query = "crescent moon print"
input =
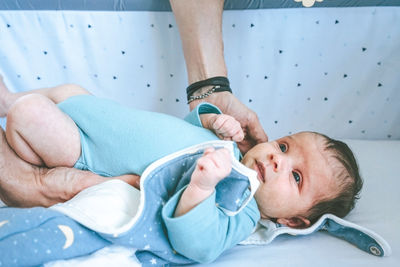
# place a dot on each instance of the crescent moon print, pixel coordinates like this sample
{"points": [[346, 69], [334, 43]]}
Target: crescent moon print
{"points": [[3, 223], [69, 235]]}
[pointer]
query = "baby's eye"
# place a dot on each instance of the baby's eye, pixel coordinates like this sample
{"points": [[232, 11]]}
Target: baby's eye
{"points": [[296, 177], [283, 147]]}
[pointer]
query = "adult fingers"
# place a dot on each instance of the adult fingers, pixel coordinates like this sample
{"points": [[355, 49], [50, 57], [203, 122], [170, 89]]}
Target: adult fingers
{"points": [[255, 130], [254, 133]]}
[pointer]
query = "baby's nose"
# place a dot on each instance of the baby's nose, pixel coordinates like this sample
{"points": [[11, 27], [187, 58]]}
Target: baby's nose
{"points": [[278, 162]]}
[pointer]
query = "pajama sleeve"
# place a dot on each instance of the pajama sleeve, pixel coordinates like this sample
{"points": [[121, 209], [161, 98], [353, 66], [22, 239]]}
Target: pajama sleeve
{"points": [[203, 108], [205, 232]]}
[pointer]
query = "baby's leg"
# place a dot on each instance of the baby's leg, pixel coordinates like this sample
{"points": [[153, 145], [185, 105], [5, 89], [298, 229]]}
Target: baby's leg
{"points": [[56, 94], [35, 236], [41, 134], [25, 185]]}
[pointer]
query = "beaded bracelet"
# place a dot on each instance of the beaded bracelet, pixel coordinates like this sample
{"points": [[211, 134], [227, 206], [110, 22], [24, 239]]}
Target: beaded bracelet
{"points": [[216, 88], [220, 84]]}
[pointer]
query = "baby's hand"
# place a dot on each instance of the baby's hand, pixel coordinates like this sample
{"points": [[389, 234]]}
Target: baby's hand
{"points": [[211, 168], [224, 126]]}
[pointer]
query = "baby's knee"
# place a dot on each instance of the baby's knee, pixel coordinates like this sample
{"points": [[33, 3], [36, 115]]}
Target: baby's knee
{"points": [[27, 108]]}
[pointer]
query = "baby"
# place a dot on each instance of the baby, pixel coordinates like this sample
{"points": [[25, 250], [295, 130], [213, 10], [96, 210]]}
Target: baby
{"points": [[301, 176]]}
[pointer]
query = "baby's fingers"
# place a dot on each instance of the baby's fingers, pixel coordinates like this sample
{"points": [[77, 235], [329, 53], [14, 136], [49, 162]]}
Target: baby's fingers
{"points": [[223, 122], [228, 128], [208, 150], [215, 160], [238, 136]]}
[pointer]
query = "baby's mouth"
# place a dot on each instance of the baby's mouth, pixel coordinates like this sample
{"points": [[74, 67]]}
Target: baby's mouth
{"points": [[260, 171]]}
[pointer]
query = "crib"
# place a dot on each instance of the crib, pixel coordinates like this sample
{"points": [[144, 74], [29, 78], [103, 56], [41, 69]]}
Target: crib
{"points": [[327, 65]]}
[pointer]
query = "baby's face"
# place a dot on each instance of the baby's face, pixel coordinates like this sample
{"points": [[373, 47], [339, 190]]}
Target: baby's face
{"points": [[294, 174]]}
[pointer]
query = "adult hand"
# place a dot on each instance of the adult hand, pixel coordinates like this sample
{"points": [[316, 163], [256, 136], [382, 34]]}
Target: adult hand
{"points": [[46, 187], [230, 105], [200, 27]]}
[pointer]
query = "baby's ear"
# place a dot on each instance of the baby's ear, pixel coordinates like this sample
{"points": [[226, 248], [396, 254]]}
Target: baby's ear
{"points": [[295, 222]]}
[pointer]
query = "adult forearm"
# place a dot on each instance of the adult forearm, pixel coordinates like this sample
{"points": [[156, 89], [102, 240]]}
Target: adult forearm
{"points": [[200, 27], [45, 187], [42, 186]]}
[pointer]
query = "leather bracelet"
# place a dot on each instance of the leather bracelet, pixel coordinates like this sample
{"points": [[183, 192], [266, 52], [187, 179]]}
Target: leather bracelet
{"points": [[220, 81]]}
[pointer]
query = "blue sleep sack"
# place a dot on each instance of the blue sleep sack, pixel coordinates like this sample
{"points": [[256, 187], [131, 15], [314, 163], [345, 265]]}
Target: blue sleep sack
{"points": [[37, 235]]}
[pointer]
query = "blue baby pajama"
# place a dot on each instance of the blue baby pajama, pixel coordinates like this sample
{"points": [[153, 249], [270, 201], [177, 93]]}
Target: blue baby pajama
{"points": [[117, 140], [37, 235]]}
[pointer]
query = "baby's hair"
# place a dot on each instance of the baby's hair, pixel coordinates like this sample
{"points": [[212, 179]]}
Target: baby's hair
{"points": [[348, 179]]}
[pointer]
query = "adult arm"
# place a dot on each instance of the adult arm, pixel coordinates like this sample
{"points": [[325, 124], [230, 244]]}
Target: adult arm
{"points": [[200, 27]]}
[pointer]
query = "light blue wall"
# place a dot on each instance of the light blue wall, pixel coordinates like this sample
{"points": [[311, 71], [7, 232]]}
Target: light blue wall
{"points": [[332, 70]]}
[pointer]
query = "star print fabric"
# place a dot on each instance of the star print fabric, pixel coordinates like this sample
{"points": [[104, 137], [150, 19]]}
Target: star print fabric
{"points": [[162, 188], [30, 237], [38, 235]]}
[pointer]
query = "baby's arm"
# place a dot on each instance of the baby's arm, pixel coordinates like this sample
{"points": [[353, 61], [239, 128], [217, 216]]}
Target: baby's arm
{"points": [[224, 126], [205, 231], [212, 167]]}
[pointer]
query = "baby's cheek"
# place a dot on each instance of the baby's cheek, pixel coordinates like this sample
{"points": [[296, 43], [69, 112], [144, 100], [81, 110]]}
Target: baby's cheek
{"points": [[277, 194], [283, 192]]}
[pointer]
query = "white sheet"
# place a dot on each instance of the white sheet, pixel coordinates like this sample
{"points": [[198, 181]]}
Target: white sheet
{"points": [[376, 210]]}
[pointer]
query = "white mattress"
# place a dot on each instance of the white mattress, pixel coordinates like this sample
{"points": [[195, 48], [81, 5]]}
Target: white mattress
{"points": [[286, 60], [377, 210]]}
